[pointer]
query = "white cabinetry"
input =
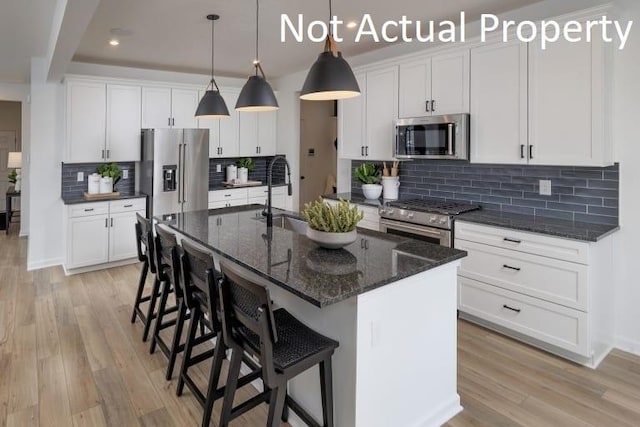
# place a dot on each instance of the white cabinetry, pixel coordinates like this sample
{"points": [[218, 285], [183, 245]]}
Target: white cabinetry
{"points": [[435, 85], [224, 133], [258, 134], [547, 291], [351, 122], [499, 103], [164, 107], [101, 232], [124, 104], [247, 196]]}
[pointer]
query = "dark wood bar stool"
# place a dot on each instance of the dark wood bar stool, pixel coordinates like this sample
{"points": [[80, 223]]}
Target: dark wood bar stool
{"points": [[283, 346], [144, 240], [199, 276]]}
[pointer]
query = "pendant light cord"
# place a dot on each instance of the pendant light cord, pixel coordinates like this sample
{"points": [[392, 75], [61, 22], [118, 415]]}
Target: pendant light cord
{"points": [[330, 16], [257, 60], [213, 52]]}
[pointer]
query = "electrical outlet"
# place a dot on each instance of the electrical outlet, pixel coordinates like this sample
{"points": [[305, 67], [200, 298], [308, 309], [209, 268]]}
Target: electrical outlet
{"points": [[80, 176], [218, 168], [545, 187], [125, 173]]}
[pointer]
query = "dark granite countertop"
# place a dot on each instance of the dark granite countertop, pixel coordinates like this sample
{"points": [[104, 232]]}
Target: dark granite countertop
{"points": [[550, 226], [293, 262], [358, 199], [79, 199], [264, 184]]}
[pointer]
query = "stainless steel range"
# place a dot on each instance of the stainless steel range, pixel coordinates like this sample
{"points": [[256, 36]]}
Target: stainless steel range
{"points": [[425, 219]]}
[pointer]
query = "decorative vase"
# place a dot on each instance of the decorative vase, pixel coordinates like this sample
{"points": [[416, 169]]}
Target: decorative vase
{"points": [[331, 240], [390, 187], [243, 175], [106, 185], [372, 191]]}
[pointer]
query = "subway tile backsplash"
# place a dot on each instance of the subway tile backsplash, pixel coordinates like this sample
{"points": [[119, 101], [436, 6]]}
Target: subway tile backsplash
{"points": [[71, 188], [587, 194], [260, 174]]}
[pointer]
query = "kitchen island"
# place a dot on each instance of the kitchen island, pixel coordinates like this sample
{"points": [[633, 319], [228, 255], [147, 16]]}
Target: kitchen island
{"points": [[390, 302]]}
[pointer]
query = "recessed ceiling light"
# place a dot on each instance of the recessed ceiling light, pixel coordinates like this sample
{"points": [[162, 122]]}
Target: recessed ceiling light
{"points": [[352, 24], [114, 42]]}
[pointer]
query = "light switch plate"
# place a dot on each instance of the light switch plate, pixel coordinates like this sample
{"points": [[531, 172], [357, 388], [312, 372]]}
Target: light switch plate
{"points": [[125, 173], [218, 168], [80, 176], [545, 187]]}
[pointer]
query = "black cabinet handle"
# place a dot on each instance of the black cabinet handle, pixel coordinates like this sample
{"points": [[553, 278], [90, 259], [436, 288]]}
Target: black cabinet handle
{"points": [[88, 210], [366, 151], [227, 195], [511, 268], [128, 206], [522, 151], [517, 310], [531, 151], [426, 103], [506, 239], [362, 150], [433, 105]]}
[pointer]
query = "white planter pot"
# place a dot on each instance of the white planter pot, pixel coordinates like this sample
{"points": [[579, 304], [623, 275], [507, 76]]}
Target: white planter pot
{"points": [[106, 185], [372, 191], [331, 240], [243, 175]]}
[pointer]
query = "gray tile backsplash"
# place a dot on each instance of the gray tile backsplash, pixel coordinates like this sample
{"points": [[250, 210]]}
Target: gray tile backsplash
{"points": [[260, 174], [71, 188], [586, 194]]}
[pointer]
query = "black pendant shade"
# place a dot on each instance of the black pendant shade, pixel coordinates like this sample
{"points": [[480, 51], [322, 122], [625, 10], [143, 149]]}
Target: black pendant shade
{"points": [[212, 106], [257, 96], [330, 77]]}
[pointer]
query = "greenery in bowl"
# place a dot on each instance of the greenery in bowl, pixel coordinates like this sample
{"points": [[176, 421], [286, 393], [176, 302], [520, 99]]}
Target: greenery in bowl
{"points": [[246, 162], [341, 218], [110, 170], [368, 173]]}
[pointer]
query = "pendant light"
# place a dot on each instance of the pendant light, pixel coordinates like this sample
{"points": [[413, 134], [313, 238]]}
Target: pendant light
{"points": [[212, 105], [256, 94], [330, 77]]}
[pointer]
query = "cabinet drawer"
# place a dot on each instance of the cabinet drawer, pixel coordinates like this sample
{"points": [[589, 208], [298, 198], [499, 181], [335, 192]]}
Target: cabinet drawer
{"points": [[230, 194], [556, 281], [551, 323], [262, 191], [128, 205], [537, 244], [88, 209]]}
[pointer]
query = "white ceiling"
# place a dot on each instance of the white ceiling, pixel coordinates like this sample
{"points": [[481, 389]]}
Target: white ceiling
{"points": [[175, 36]]}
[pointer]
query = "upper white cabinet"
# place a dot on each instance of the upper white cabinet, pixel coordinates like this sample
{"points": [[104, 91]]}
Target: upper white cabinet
{"points": [[164, 107], [435, 85], [103, 122], [258, 134], [366, 123], [499, 103], [567, 104], [223, 133]]}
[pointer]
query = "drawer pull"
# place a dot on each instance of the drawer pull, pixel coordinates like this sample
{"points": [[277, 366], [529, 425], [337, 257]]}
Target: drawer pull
{"points": [[517, 310], [511, 268], [128, 206], [227, 195], [506, 239], [89, 210]]}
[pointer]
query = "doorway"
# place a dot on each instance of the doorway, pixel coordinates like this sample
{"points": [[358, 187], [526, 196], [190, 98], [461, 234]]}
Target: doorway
{"points": [[318, 149], [10, 140]]}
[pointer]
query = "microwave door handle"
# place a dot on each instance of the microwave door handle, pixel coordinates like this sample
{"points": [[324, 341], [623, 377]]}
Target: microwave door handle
{"points": [[450, 129]]}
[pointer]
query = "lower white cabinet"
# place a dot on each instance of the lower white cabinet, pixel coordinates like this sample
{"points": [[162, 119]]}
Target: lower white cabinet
{"points": [[102, 232], [371, 220], [247, 196], [550, 292]]}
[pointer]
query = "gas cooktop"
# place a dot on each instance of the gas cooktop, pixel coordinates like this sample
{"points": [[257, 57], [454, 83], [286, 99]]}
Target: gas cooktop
{"points": [[433, 206]]}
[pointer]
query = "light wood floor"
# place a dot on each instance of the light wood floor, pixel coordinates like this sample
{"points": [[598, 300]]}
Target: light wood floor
{"points": [[70, 356]]}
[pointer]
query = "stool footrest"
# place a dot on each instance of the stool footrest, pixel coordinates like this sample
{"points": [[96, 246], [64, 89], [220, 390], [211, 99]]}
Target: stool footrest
{"points": [[301, 412]]}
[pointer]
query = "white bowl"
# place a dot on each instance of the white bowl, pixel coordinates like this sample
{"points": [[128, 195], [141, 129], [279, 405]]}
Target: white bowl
{"points": [[372, 191], [331, 240]]}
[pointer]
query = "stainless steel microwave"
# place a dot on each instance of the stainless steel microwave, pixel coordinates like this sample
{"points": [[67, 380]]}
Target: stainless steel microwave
{"points": [[434, 137]]}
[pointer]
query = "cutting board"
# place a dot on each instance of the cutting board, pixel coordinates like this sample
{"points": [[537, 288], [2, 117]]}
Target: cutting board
{"points": [[242, 184], [101, 196]]}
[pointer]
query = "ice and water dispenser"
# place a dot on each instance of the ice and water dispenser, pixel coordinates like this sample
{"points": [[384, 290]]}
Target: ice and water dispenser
{"points": [[169, 178]]}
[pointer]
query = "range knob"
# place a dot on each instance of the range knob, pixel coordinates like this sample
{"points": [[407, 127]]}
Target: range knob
{"points": [[432, 219], [410, 215], [443, 221]]}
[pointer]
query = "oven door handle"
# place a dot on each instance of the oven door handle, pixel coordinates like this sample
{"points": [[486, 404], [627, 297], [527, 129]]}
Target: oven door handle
{"points": [[450, 130], [415, 230]]}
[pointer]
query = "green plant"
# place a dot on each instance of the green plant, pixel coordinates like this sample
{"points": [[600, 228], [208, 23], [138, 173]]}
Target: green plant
{"points": [[246, 162], [110, 170], [368, 173], [340, 218], [12, 176]]}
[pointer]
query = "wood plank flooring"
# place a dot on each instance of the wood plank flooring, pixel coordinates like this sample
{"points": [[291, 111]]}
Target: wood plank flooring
{"points": [[70, 357]]}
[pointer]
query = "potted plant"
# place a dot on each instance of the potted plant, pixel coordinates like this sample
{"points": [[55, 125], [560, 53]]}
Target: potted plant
{"points": [[245, 165], [111, 174], [368, 175], [331, 227]]}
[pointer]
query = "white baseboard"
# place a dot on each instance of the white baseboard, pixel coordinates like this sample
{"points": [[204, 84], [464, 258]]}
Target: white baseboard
{"points": [[72, 271], [37, 265], [442, 414], [628, 345]]}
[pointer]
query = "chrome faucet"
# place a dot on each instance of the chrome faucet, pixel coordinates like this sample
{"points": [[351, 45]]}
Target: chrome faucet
{"points": [[267, 211]]}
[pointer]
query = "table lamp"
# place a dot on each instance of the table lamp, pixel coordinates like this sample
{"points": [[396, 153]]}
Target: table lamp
{"points": [[15, 162]]}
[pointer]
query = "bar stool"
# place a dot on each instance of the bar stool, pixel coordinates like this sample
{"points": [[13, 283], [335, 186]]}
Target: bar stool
{"points": [[283, 345], [199, 275], [168, 267], [144, 240]]}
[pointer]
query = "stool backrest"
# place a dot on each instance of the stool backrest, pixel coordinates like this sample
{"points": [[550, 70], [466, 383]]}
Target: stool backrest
{"points": [[248, 304], [144, 241], [167, 259], [199, 277]]}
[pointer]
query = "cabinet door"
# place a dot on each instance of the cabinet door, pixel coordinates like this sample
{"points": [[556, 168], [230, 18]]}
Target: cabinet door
{"points": [[450, 83], [382, 112], [499, 103], [249, 134], [184, 103], [122, 237], [214, 131], [566, 103], [124, 105], [351, 123], [156, 107], [415, 89], [229, 128], [88, 241], [86, 113], [267, 130]]}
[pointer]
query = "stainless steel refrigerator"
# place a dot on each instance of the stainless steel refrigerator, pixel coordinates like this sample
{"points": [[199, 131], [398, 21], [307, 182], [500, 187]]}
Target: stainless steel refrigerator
{"points": [[174, 170]]}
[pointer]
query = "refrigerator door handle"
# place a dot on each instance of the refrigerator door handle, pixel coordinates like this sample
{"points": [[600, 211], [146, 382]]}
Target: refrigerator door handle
{"points": [[179, 178], [184, 184]]}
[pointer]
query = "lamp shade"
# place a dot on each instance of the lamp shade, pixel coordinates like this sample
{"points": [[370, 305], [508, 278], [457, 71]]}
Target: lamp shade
{"points": [[212, 106], [330, 77], [15, 160], [257, 96]]}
